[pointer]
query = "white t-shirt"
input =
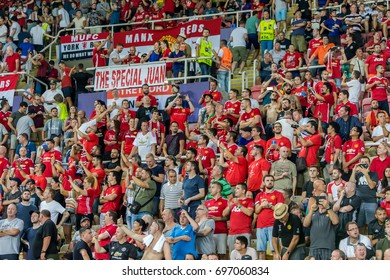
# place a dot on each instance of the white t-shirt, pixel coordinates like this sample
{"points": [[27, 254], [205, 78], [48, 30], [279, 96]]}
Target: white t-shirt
{"points": [[235, 255], [3, 29], [55, 209], [144, 143], [349, 249], [238, 37], [16, 26], [49, 96], [114, 54], [65, 17], [354, 88], [78, 24], [378, 131], [37, 33]]}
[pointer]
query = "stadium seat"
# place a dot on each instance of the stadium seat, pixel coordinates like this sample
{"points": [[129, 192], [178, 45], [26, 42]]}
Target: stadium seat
{"points": [[366, 105], [256, 91]]}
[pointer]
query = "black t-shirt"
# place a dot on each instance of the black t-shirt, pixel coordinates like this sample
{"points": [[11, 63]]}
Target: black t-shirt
{"points": [[308, 188], [47, 229], [144, 113], [81, 81], [287, 232], [80, 246], [158, 169], [376, 230], [350, 50], [113, 165], [173, 143], [119, 251]]}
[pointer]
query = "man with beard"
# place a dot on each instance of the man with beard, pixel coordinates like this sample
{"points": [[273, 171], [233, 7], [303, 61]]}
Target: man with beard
{"points": [[275, 143], [288, 94], [286, 106], [258, 168], [45, 243], [270, 111], [379, 86], [372, 119], [372, 61], [264, 208], [145, 92], [250, 116], [324, 103], [174, 142], [10, 232], [23, 210], [47, 156], [157, 176]]}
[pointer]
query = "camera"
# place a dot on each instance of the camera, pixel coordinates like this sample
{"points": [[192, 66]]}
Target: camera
{"points": [[295, 126], [318, 198], [364, 165]]}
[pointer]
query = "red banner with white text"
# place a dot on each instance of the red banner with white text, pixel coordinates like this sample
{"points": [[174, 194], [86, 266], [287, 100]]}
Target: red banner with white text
{"points": [[7, 87], [144, 39]]}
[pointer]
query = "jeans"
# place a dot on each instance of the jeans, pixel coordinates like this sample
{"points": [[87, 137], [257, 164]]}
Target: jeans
{"points": [[315, 70], [266, 45], [205, 69], [223, 80], [135, 217]]}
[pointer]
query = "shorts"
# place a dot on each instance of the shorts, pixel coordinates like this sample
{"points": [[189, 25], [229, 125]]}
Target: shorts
{"points": [[263, 236], [13, 142], [67, 91], [299, 43], [239, 53], [220, 243], [253, 39], [281, 15]]}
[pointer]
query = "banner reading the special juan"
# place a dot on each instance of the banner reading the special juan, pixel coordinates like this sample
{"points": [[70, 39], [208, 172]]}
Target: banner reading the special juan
{"points": [[79, 46], [7, 87], [129, 76], [144, 39]]}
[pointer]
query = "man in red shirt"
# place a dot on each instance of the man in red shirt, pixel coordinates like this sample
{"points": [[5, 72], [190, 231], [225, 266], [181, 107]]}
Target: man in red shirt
{"points": [[257, 169], [105, 234], [216, 95], [145, 91], [111, 197], [240, 210], [379, 86], [96, 171], [12, 61], [353, 150], [4, 165], [90, 139], [5, 113], [333, 145], [343, 99], [257, 140], [205, 155], [216, 205], [291, 60], [324, 102], [22, 163], [381, 162], [132, 58], [100, 54], [232, 107], [46, 158], [237, 165], [178, 113], [264, 208], [274, 144], [250, 116], [372, 61], [66, 82], [314, 43]]}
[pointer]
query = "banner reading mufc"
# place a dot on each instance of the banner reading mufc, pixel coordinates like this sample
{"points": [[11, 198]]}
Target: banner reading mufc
{"points": [[79, 46], [144, 39], [7, 87], [129, 76]]}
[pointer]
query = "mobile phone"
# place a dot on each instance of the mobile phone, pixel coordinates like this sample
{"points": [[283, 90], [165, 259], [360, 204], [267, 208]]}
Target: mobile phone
{"points": [[270, 88]]}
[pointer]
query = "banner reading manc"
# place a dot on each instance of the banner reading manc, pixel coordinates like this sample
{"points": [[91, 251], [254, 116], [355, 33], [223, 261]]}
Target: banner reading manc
{"points": [[7, 87], [79, 46], [144, 39], [129, 76]]}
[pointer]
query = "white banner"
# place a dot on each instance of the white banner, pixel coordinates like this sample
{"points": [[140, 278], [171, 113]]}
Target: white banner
{"points": [[7, 87], [136, 75]]}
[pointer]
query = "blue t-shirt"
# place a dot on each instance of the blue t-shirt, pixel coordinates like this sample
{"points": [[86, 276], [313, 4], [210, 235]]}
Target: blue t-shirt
{"points": [[182, 248], [330, 23], [191, 188], [24, 214], [30, 148], [177, 65], [115, 16], [299, 31], [29, 235], [26, 47], [154, 57]]}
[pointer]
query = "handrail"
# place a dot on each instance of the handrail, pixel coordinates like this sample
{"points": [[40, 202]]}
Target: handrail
{"points": [[338, 7], [244, 80], [254, 70], [112, 26], [27, 74]]}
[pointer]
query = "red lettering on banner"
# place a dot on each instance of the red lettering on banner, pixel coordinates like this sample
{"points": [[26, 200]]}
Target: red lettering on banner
{"points": [[102, 79], [84, 37], [155, 75]]}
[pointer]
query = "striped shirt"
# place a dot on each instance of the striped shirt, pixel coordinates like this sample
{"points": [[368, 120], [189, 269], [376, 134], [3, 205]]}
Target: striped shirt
{"points": [[171, 194]]}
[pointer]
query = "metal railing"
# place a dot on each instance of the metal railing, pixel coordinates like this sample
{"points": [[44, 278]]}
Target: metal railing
{"points": [[338, 7], [244, 80], [255, 70], [185, 77]]}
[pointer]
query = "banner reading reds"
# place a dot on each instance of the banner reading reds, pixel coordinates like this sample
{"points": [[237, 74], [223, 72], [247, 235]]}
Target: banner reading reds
{"points": [[7, 87], [130, 76], [143, 39], [79, 46]]}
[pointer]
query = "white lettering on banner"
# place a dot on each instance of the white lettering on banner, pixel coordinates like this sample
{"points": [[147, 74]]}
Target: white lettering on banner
{"points": [[7, 87], [129, 77], [192, 29], [4, 84], [143, 37], [84, 37]]}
